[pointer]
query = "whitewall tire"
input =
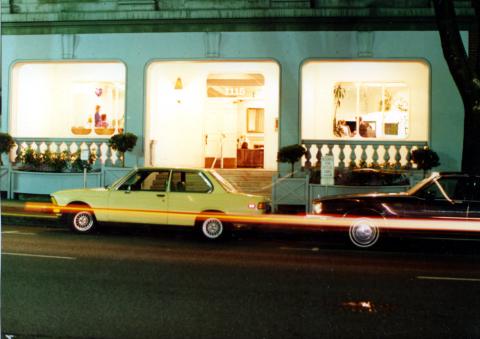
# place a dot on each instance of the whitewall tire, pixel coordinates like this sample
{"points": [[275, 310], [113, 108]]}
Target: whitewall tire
{"points": [[364, 232]]}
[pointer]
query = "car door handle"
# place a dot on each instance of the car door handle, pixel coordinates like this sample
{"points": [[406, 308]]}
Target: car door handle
{"points": [[161, 195]]}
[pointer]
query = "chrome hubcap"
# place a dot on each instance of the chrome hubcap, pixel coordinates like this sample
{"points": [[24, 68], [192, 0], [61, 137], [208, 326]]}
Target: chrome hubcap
{"points": [[212, 228], [83, 221], [364, 233]]}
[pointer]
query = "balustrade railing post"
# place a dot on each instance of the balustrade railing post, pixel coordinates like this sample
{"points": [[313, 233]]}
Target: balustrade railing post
{"points": [[398, 156], [386, 155], [319, 155], [375, 154], [308, 156], [341, 157], [363, 157], [352, 156]]}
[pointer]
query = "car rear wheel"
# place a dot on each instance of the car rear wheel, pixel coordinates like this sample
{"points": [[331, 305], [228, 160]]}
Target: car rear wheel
{"points": [[82, 220], [211, 228], [364, 232]]}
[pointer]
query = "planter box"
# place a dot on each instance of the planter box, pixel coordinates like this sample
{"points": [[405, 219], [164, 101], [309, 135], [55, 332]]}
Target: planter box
{"points": [[48, 182], [298, 191], [4, 179], [289, 191]]}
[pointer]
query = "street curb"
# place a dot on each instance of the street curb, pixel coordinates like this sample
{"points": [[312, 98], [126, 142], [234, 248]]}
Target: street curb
{"points": [[38, 221]]}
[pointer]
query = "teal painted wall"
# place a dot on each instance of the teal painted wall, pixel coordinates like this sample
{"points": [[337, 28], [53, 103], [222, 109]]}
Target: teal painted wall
{"points": [[290, 49]]}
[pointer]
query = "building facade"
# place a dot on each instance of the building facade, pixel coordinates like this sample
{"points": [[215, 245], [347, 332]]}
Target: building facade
{"points": [[226, 84]]}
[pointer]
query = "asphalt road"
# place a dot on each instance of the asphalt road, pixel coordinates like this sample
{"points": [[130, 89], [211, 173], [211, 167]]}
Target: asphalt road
{"points": [[150, 284]]}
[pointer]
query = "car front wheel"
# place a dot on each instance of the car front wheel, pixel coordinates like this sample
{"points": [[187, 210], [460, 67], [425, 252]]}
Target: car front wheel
{"points": [[363, 232], [82, 220]]}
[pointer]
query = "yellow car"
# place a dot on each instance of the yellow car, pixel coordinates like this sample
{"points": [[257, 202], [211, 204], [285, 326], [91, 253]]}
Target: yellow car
{"points": [[186, 197]]}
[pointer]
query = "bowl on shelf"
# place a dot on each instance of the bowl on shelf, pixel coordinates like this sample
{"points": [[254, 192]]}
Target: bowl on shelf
{"points": [[104, 131], [81, 130]]}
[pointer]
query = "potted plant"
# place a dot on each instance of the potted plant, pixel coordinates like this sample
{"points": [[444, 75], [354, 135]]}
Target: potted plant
{"points": [[6, 144], [291, 154], [425, 159], [123, 143]]}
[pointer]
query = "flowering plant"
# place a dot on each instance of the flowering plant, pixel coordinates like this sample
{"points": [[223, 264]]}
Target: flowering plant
{"points": [[48, 161]]}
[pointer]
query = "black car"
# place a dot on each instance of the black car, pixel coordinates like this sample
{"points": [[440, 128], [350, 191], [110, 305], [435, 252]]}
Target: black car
{"points": [[363, 177], [444, 202]]}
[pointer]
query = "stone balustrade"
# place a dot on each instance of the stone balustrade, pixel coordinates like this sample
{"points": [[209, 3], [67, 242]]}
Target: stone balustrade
{"points": [[348, 153], [104, 155]]}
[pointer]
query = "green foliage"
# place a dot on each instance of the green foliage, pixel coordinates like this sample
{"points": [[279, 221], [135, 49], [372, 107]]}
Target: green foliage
{"points": [[77, 164], [6, 144], [30, 158], [35, 161], [291, 154], [48, 161], [123, 143], [425, 158], [56, 161]]}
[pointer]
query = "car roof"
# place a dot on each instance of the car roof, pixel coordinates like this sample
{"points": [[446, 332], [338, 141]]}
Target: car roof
{"points": [[172, 168]]}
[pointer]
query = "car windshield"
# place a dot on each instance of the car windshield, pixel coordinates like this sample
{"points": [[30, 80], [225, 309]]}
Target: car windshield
{"points": [[119, 180], [419, 185], [222, 181]]}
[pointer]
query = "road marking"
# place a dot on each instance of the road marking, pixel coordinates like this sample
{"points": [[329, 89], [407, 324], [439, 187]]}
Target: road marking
{"points": [[444, 238], [422, 277], [312, 249], [38, 256], [18, 232]]}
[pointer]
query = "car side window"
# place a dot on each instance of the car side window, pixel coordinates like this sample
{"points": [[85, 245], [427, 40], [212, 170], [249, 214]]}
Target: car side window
{"points": [[448, 188], [155, 181], [147, 181], [192, 182]]}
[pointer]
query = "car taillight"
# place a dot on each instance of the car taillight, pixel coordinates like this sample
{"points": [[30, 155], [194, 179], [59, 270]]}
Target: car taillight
{"points": [[317, 208], [261, 205]]}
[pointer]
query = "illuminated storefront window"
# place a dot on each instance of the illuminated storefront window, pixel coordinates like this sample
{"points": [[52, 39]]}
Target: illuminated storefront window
{"points": [[212, 113], [67, 99], [384, 100]]}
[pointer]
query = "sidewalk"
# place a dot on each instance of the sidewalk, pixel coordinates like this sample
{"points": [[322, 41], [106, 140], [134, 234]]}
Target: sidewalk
{"points": [[28, 213]]}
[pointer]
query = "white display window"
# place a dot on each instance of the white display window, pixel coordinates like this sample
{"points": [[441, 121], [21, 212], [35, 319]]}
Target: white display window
{"points": [[380, 100], [67, 99], [212, 113]]}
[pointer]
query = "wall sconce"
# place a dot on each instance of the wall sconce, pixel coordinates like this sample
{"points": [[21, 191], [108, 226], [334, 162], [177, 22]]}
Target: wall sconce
{"points": [[178, 87], [178, 83]]}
